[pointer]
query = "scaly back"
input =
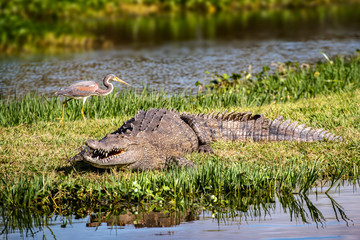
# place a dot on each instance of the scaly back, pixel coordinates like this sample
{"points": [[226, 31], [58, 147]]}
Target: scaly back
{"points": [[245, 125]]}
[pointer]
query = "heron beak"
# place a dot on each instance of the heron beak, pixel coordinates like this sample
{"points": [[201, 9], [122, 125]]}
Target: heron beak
{"points": [[119, 80]]}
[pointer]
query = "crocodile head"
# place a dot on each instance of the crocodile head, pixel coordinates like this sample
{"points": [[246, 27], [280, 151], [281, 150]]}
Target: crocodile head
{"points": [[115, 150]]}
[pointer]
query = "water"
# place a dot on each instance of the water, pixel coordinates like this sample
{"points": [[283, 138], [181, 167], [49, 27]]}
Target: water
{"points": [[335, 215], [173, 52], [173, 67]]}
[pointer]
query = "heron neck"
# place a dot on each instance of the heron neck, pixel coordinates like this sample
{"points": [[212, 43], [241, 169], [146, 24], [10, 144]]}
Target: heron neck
{"points": [[108, 90]]}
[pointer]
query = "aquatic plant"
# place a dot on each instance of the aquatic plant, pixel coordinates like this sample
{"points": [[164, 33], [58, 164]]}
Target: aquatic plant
{"points": [[290, 81]]}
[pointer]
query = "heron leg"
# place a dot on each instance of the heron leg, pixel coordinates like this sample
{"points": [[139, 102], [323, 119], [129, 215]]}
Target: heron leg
{"points": [[63, 110], [82, 109]]}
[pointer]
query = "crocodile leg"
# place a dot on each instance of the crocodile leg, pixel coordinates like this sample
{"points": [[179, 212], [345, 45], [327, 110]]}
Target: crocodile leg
{"points": [[179, 162], [201, 130]]}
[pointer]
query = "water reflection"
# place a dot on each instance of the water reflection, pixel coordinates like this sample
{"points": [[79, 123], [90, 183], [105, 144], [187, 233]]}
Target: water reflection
{"points": [[299, 24], [299, 209], [164, 218], [152, 29]]}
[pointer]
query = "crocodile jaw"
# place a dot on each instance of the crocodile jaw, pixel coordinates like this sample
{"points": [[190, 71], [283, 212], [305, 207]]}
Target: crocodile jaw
{"points": [[112, 152], [103, 159]]}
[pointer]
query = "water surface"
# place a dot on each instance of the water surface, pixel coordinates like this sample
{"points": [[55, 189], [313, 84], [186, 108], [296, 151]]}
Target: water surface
{"points": [[335, 215], [173, 67]]}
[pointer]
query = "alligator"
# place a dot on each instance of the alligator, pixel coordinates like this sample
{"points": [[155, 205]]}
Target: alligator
{"points": [[160, 138]]}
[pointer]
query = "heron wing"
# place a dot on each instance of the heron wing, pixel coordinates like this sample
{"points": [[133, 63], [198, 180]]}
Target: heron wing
{"points": [[79, 90], [85, 84]]}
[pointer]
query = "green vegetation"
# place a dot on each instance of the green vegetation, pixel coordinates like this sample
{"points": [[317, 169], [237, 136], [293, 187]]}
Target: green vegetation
{"points": [[287, 84], [34, 148], [52, 26], [290, 82], [50, 10]]}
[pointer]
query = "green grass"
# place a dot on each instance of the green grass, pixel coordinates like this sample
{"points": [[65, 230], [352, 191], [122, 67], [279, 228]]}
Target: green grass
{"points": [[34, 147]]}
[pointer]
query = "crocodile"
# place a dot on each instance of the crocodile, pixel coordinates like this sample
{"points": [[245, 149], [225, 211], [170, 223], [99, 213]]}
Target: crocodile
{"points": [[160, 138]]}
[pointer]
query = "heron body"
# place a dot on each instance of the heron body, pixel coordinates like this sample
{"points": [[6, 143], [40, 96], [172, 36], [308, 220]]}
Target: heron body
{"points": [[85, 89]]}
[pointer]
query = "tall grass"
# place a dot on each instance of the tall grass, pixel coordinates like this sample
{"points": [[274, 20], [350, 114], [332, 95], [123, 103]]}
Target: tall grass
{"points": [[288, 85], [290, 81], [212, 178]]}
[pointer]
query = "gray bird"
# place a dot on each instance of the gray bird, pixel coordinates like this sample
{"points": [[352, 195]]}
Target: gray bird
{"points": [[85, 89]]}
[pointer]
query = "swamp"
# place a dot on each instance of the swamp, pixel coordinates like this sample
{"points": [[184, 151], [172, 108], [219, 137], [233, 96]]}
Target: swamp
{"points": [[298, 59]]}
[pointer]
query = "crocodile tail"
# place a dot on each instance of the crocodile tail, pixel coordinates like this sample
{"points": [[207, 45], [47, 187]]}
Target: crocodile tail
{"points": [[291, 131], [242, 126]]}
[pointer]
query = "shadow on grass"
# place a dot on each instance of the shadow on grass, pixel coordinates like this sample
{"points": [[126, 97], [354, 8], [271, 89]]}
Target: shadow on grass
{"points": [[78, 167]]}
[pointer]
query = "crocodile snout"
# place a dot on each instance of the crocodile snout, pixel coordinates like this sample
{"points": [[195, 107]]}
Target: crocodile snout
{"points": [[92, 143]]}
